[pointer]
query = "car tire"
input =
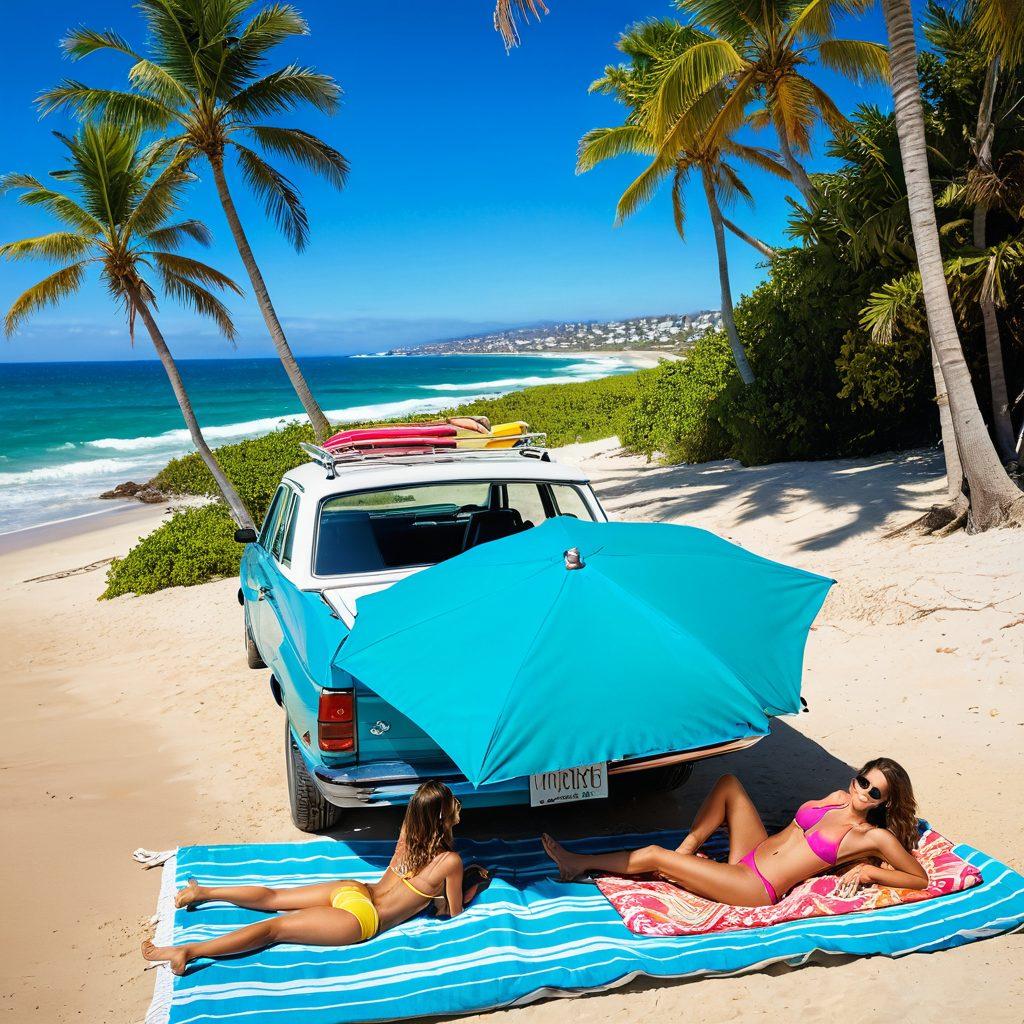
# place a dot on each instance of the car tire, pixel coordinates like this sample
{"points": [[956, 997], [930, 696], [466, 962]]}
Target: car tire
{"points": [[252, 652], [653, 780], [310, 811]]}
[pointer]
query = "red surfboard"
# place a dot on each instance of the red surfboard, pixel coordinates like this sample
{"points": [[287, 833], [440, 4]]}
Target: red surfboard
{"points": [[419, 434]]}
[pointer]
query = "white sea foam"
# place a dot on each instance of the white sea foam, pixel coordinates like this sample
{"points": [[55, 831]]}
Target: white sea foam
{"points": [[508, 383], [83, 468]]}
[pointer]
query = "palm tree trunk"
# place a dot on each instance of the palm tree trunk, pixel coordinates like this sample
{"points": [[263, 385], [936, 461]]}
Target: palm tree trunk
{"points": [[993, 497], [238, 510], [797, 174], [738, 355], [321, 427], [1002, 425], [954, 471], [761, 247]]}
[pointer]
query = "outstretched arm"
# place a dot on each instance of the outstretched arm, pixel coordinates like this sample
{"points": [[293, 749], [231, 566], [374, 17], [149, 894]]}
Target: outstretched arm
{"points": [[904, 871]]}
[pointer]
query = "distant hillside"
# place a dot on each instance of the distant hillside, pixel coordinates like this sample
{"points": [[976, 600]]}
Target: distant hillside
{"points": [[671, 333]]}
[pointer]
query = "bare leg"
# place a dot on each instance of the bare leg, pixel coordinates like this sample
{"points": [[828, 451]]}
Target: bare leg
{"points": [[260, 897], [319, 926], [727, 804], [723, 883]]}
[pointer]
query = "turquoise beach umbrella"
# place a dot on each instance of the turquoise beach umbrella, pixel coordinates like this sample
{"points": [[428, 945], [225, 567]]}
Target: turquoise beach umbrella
{"points": [[666, 638]]}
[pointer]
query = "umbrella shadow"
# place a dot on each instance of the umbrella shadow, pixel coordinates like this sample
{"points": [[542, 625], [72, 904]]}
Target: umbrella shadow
{"points": [[870, 490], [780, 772]]}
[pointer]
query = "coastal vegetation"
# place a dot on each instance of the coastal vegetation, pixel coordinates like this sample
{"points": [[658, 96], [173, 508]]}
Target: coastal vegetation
{"points": [[203, 84], [756, 57], [117, 219]]}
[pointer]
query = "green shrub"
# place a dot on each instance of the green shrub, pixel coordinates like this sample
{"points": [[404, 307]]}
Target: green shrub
{"points": [[193, 546], [254, 466], [801, 332], [674, 411]]}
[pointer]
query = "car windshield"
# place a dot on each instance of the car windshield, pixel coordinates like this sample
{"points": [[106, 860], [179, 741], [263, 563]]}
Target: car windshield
{"points": [[400, 527]]}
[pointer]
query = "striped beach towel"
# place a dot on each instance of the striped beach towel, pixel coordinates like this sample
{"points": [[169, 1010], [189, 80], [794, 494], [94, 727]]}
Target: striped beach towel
{"points": [[527, 937]]}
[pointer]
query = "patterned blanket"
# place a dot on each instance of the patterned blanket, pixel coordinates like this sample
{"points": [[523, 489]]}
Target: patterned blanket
{"points": [[649, 907]]}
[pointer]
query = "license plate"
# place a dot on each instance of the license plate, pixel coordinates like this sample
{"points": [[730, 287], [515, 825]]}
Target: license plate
{"points": [[588, 782]]}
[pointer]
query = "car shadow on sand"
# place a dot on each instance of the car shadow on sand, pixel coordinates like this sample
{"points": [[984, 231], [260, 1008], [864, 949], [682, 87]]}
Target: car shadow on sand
{"points": [[780, 772]]}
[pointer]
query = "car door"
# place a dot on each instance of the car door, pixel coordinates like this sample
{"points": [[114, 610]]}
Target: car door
{"points": [[259, 577]]}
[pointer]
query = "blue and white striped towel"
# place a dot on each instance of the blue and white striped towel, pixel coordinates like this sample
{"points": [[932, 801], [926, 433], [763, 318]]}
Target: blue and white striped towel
{"points": [[525, 938]]}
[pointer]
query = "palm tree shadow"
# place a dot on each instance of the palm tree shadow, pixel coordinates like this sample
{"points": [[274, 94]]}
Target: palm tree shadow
{"points": [[869, 491]]}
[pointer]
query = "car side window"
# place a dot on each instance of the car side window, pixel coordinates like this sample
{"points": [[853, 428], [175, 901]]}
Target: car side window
{"points": [[570, 502], [267, 530], [281, 527], [289, 531]]}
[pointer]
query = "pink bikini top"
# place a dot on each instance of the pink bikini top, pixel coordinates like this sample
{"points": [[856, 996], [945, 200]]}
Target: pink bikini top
{"points": [[807, 818]]}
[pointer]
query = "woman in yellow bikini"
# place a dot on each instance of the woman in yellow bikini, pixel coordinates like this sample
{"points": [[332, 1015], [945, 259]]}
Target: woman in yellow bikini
{"points": [[424, 869]]}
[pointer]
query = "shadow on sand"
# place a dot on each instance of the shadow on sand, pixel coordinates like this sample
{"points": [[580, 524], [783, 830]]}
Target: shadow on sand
{"points": [[871, 488]]}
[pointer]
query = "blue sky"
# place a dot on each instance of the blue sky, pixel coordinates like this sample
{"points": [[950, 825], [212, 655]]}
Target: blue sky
{"points": [[463, 210]]}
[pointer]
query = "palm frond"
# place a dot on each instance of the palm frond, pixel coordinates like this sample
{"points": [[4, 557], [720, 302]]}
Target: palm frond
{"points": [[817, 18], [505, 14], [196, 270], [889, 305], [305, 149], [86, 102], [155, 81], [81, 41], [687, 77], [61, 206], [195, 296], [47, 292], [62, 246], [1001, 25], [161, 197], [857, 59], [600, 144], [729, 185], [679, 179], [279, 196], [286, 89], [642, 189], [757, 156], [172, 236]]}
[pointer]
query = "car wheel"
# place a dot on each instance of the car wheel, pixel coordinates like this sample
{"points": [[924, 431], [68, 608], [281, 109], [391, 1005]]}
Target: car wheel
{"points": [[252, 652], [310, 811], [653, 780]]}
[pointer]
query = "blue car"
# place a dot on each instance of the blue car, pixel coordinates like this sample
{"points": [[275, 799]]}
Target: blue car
{"points": [[336, 531]]}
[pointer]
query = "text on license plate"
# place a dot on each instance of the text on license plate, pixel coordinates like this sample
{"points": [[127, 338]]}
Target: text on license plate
{"points": [[588, 782]]}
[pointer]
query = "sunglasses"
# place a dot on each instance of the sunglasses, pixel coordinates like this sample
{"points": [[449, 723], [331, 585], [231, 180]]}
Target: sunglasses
{"points": [[865, 783]]}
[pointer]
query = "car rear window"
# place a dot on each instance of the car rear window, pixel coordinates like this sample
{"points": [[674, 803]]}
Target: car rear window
{"points": [[401, 527]]}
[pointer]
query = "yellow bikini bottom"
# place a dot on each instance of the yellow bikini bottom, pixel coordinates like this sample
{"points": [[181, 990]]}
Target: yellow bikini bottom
{"points": [[353, 898]]}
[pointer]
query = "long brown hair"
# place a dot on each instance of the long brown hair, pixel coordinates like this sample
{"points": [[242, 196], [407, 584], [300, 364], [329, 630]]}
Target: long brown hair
{"points": [[899, 812], [430, 817]]}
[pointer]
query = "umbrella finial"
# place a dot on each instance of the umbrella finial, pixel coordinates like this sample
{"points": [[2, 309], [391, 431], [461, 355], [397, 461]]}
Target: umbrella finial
{"points": [[573, 559]]}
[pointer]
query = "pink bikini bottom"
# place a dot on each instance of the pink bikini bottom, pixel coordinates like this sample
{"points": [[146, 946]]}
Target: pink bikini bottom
{"points": [[768, 887]]}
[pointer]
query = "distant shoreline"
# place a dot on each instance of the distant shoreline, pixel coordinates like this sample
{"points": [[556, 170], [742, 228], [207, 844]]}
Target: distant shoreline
{"points": [[642, 359]]}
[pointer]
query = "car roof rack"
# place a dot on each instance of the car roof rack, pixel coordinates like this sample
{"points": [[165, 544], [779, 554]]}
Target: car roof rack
{"points": [[330, 460]]}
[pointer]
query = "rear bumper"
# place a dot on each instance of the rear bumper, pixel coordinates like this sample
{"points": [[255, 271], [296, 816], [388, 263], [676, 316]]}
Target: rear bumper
{"points": [[388, 783]]}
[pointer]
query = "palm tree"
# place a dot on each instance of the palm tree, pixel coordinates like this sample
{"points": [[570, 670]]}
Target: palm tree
{"points": [[118, 222], [759, 50], [205, 80], [651, 46], [994, 499]]}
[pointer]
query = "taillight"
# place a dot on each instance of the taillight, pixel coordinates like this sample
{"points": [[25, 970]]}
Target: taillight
{"points": [[336, 721]]}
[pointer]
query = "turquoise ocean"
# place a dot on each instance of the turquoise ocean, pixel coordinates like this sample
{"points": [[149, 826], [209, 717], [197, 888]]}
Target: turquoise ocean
{"points": [[71, 430]]}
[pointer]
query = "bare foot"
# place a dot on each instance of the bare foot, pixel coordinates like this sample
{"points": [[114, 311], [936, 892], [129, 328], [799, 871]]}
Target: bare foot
{"points": [[689, 846], [189, 895], [569, 866], [176, 956]]}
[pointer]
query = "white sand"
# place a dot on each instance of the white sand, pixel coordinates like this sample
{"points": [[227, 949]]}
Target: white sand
{"points": [[135, 722]]}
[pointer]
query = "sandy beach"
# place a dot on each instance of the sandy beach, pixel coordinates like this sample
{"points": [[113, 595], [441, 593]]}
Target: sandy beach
{"points": [[135, 722]]}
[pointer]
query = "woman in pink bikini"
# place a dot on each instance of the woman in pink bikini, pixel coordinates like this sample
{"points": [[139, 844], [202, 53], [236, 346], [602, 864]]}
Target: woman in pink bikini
{"points": [[874, 819]]}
